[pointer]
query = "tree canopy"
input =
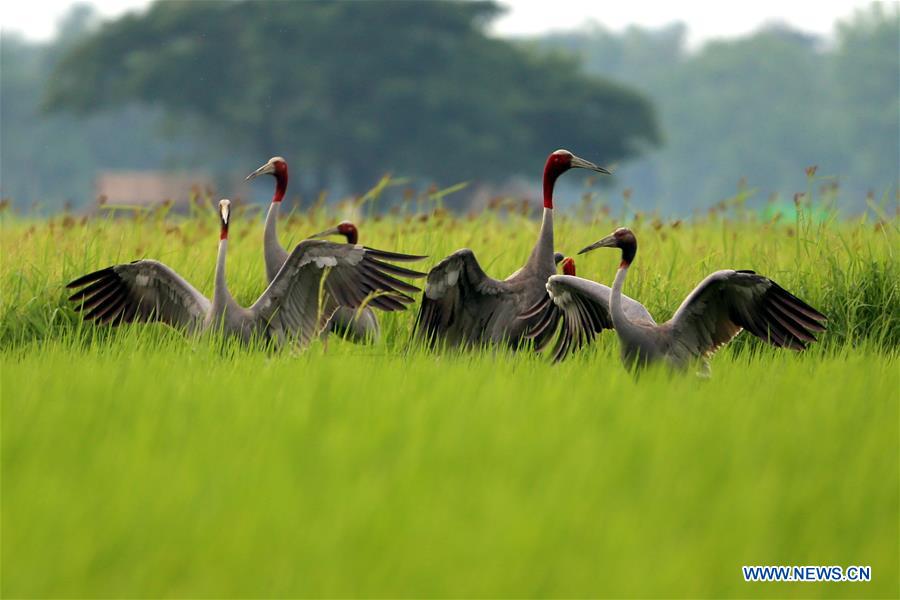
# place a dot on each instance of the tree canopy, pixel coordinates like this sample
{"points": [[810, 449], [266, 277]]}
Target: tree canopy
{"points": [[761, 107], [353, 89]]}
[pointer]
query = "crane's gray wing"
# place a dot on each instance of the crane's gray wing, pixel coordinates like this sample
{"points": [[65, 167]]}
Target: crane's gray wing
{"points": [[582, 308], [290, 306], [143, 290], [728, 301], [459, 300]]}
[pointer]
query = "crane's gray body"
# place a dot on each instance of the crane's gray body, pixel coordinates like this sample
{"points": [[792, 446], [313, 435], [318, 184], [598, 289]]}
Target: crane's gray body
{"points": [[719, 308], [357, 325], [463, 306]]}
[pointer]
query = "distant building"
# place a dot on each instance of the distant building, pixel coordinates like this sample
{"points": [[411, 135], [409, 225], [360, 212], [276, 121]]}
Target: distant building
{"points": [[150, 188]]}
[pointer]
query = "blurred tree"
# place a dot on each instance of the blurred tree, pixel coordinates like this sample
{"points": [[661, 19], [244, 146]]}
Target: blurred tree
{"points": [[352, 89], [81, 19], [866, 76], [761, 107], [46, 161], [747, 108], [637, 56]]}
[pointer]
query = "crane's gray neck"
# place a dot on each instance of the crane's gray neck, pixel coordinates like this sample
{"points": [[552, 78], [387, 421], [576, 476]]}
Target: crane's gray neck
{"points": [[623, 326], [273, 253], [221, 297], [541, 257]]}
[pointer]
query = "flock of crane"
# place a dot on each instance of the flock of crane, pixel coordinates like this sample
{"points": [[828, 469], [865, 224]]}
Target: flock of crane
{"points": [[323, 286]]}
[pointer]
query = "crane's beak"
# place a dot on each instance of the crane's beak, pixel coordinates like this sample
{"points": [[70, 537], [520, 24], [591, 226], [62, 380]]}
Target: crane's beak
{"points": [[266, 169], [225, 210], [607, 242], [580, 163], [326, 233]]}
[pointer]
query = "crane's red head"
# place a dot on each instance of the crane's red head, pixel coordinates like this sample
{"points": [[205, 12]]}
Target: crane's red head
{"points": [[621, 238], [224, 217], [568, 266], [277, 167], [349, 231], [558, 163], [344, 228]]}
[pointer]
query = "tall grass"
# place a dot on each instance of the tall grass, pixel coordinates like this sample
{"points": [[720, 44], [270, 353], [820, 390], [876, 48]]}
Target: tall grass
{"points": [[847, 269], [138, 462], [173, 469]]}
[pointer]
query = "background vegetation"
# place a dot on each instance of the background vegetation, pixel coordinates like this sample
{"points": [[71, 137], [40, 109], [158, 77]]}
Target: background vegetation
{"points": [[349, 91], [138, 462], [759, 108]]}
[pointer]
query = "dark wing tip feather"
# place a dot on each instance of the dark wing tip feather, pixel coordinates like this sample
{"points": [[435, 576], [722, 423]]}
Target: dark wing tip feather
{"points": [[109, 303], [93, 288], [581, 329], [111, 310], [90, 277], [536, 308], [798, 305], [573, 326], [425, 328], [394, 256], [782, 319], [563, 343], [394, 269], [776, 313], [105, 299], [103, 296], [112, 289], [545, 314], [380, 280], [390, 302]]}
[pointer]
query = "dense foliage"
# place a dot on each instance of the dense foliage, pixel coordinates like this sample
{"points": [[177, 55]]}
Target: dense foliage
{"points": [[48, 160], [761, 107], [356, 88]]}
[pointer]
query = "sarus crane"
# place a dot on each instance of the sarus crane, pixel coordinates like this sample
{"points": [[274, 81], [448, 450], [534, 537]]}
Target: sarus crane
{"points": [[290, 309], [720, 307], [356, 325], [463, 306], [360, 324]]}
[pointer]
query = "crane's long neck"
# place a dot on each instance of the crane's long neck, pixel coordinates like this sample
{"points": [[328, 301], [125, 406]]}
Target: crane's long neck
{"points": [[222, 298], [273, 253], [542, 255], [281, 181], [621, 322], [541, 259]]}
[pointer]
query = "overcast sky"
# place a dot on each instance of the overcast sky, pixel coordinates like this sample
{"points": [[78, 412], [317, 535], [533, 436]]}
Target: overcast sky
{"points": [[705, 19]]}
